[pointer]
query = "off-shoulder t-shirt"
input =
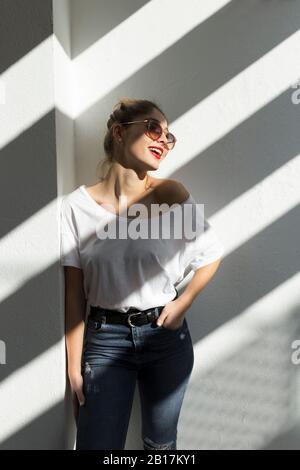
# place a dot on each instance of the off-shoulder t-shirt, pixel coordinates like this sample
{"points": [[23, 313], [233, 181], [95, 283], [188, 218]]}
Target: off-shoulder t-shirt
{"points": [[123, 271]]}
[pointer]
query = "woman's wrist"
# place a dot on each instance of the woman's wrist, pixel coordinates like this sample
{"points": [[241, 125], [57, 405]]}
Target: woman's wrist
{"points": [[185, 300], [74, 371]]}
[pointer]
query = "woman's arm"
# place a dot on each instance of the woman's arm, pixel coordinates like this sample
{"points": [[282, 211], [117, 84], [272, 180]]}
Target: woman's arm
{"points": [[176, 309], [75, 307], [199, 280]]}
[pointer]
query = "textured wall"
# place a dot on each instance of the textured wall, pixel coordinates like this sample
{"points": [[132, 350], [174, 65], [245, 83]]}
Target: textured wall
{"points": [[222, 71], [32, 383]]}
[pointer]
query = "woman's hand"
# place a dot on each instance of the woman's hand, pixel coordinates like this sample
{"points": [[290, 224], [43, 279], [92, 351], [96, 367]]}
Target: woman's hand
{"points": [[172, 315], [76, 382]]}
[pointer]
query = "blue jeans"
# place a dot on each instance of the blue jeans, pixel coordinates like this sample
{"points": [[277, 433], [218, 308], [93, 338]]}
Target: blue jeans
{"points": [[115, 357]]}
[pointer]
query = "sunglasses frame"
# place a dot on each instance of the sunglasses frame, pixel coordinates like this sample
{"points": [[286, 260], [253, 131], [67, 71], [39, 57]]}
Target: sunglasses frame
{"points": [[147, 132]]}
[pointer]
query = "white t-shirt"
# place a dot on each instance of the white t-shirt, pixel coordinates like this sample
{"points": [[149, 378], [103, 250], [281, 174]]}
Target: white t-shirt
{"points": [[120, 273]]}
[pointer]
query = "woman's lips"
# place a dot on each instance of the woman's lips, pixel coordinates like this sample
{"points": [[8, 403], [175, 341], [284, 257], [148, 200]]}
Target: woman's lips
{"points": [[155, 154]]}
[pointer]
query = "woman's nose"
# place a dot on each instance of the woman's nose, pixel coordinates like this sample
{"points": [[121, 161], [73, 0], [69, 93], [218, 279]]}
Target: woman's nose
{"points": [[163, 139]]}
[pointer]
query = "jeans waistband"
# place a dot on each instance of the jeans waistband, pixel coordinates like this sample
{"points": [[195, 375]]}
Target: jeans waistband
{"points": [[105, 310], [97, 312]]}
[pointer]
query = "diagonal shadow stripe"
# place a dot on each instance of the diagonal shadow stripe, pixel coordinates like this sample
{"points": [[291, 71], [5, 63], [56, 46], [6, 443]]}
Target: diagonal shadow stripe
{"points": [[247, 155], [27, 292], [289, 440], [31, 320], [233, 164], [242, 381], [264, 254], [28, 176], [251, 251], [94, 20], [252, 271], [204, 59], [40, 434], [17, 34]]}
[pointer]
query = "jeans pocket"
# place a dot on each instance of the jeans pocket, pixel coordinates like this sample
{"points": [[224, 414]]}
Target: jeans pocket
{"points": [[172, 330]]}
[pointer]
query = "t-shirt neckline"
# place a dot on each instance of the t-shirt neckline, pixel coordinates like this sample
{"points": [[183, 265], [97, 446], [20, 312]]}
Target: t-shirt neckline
{"points": [[95, 203]]}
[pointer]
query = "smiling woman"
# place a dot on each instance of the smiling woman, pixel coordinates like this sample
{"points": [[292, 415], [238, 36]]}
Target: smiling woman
{"points": [[137, 331], [126, 113], [156, 151]]}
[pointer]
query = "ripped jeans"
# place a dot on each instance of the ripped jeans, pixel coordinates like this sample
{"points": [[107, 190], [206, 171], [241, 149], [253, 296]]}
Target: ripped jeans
{"points": [[116, 357]]}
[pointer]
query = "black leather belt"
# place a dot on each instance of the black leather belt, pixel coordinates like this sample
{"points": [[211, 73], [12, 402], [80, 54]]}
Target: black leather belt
{"points": [[133, 316]]}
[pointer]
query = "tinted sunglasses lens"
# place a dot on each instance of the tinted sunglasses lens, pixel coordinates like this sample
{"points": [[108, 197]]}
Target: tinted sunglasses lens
{"points": [[155, 131], [171, 140]]}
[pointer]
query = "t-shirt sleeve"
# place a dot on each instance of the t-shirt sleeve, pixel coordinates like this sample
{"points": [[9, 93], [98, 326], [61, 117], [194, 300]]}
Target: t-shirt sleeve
{"points": [[205, 247], [69, 240]]}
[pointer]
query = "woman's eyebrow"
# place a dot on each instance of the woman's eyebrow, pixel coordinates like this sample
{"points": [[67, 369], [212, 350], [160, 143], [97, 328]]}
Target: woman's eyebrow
{"points": [[166, 128]]}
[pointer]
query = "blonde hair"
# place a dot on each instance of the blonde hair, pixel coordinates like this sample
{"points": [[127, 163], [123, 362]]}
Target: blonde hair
{"points": [[125, 110]]}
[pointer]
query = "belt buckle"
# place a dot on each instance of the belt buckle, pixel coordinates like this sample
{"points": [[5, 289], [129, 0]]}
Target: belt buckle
{"points": [[130, 315]]}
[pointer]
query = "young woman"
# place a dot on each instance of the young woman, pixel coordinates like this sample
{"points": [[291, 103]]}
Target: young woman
{"points": [[135, 331]]}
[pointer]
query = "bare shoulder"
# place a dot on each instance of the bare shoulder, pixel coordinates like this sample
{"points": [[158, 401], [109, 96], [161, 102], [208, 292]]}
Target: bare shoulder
{"points": [[170, 191]]}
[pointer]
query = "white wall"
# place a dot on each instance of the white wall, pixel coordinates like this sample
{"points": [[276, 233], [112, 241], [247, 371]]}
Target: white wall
{"points": [[222, 71], [32, 387], [65, 157]]}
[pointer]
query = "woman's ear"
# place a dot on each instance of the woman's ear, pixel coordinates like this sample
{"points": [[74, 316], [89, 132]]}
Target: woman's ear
{"points": [[117, 132]]}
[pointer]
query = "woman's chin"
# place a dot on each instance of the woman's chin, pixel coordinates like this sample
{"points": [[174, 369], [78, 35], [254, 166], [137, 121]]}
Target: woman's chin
{"points": [[154, 162]]}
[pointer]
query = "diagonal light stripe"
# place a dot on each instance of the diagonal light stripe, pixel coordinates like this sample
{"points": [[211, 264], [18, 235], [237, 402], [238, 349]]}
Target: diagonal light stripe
{"points": [[104, 66], [36, 258], [2, 92], [29, 92], [234, 102], [260, 206], [78, 84], [25, 251], [215, 116], [275, 307], [32, 390]]}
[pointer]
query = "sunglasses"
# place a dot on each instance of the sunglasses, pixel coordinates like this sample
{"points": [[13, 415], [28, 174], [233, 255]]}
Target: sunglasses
{"points": [[154, 131]]}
